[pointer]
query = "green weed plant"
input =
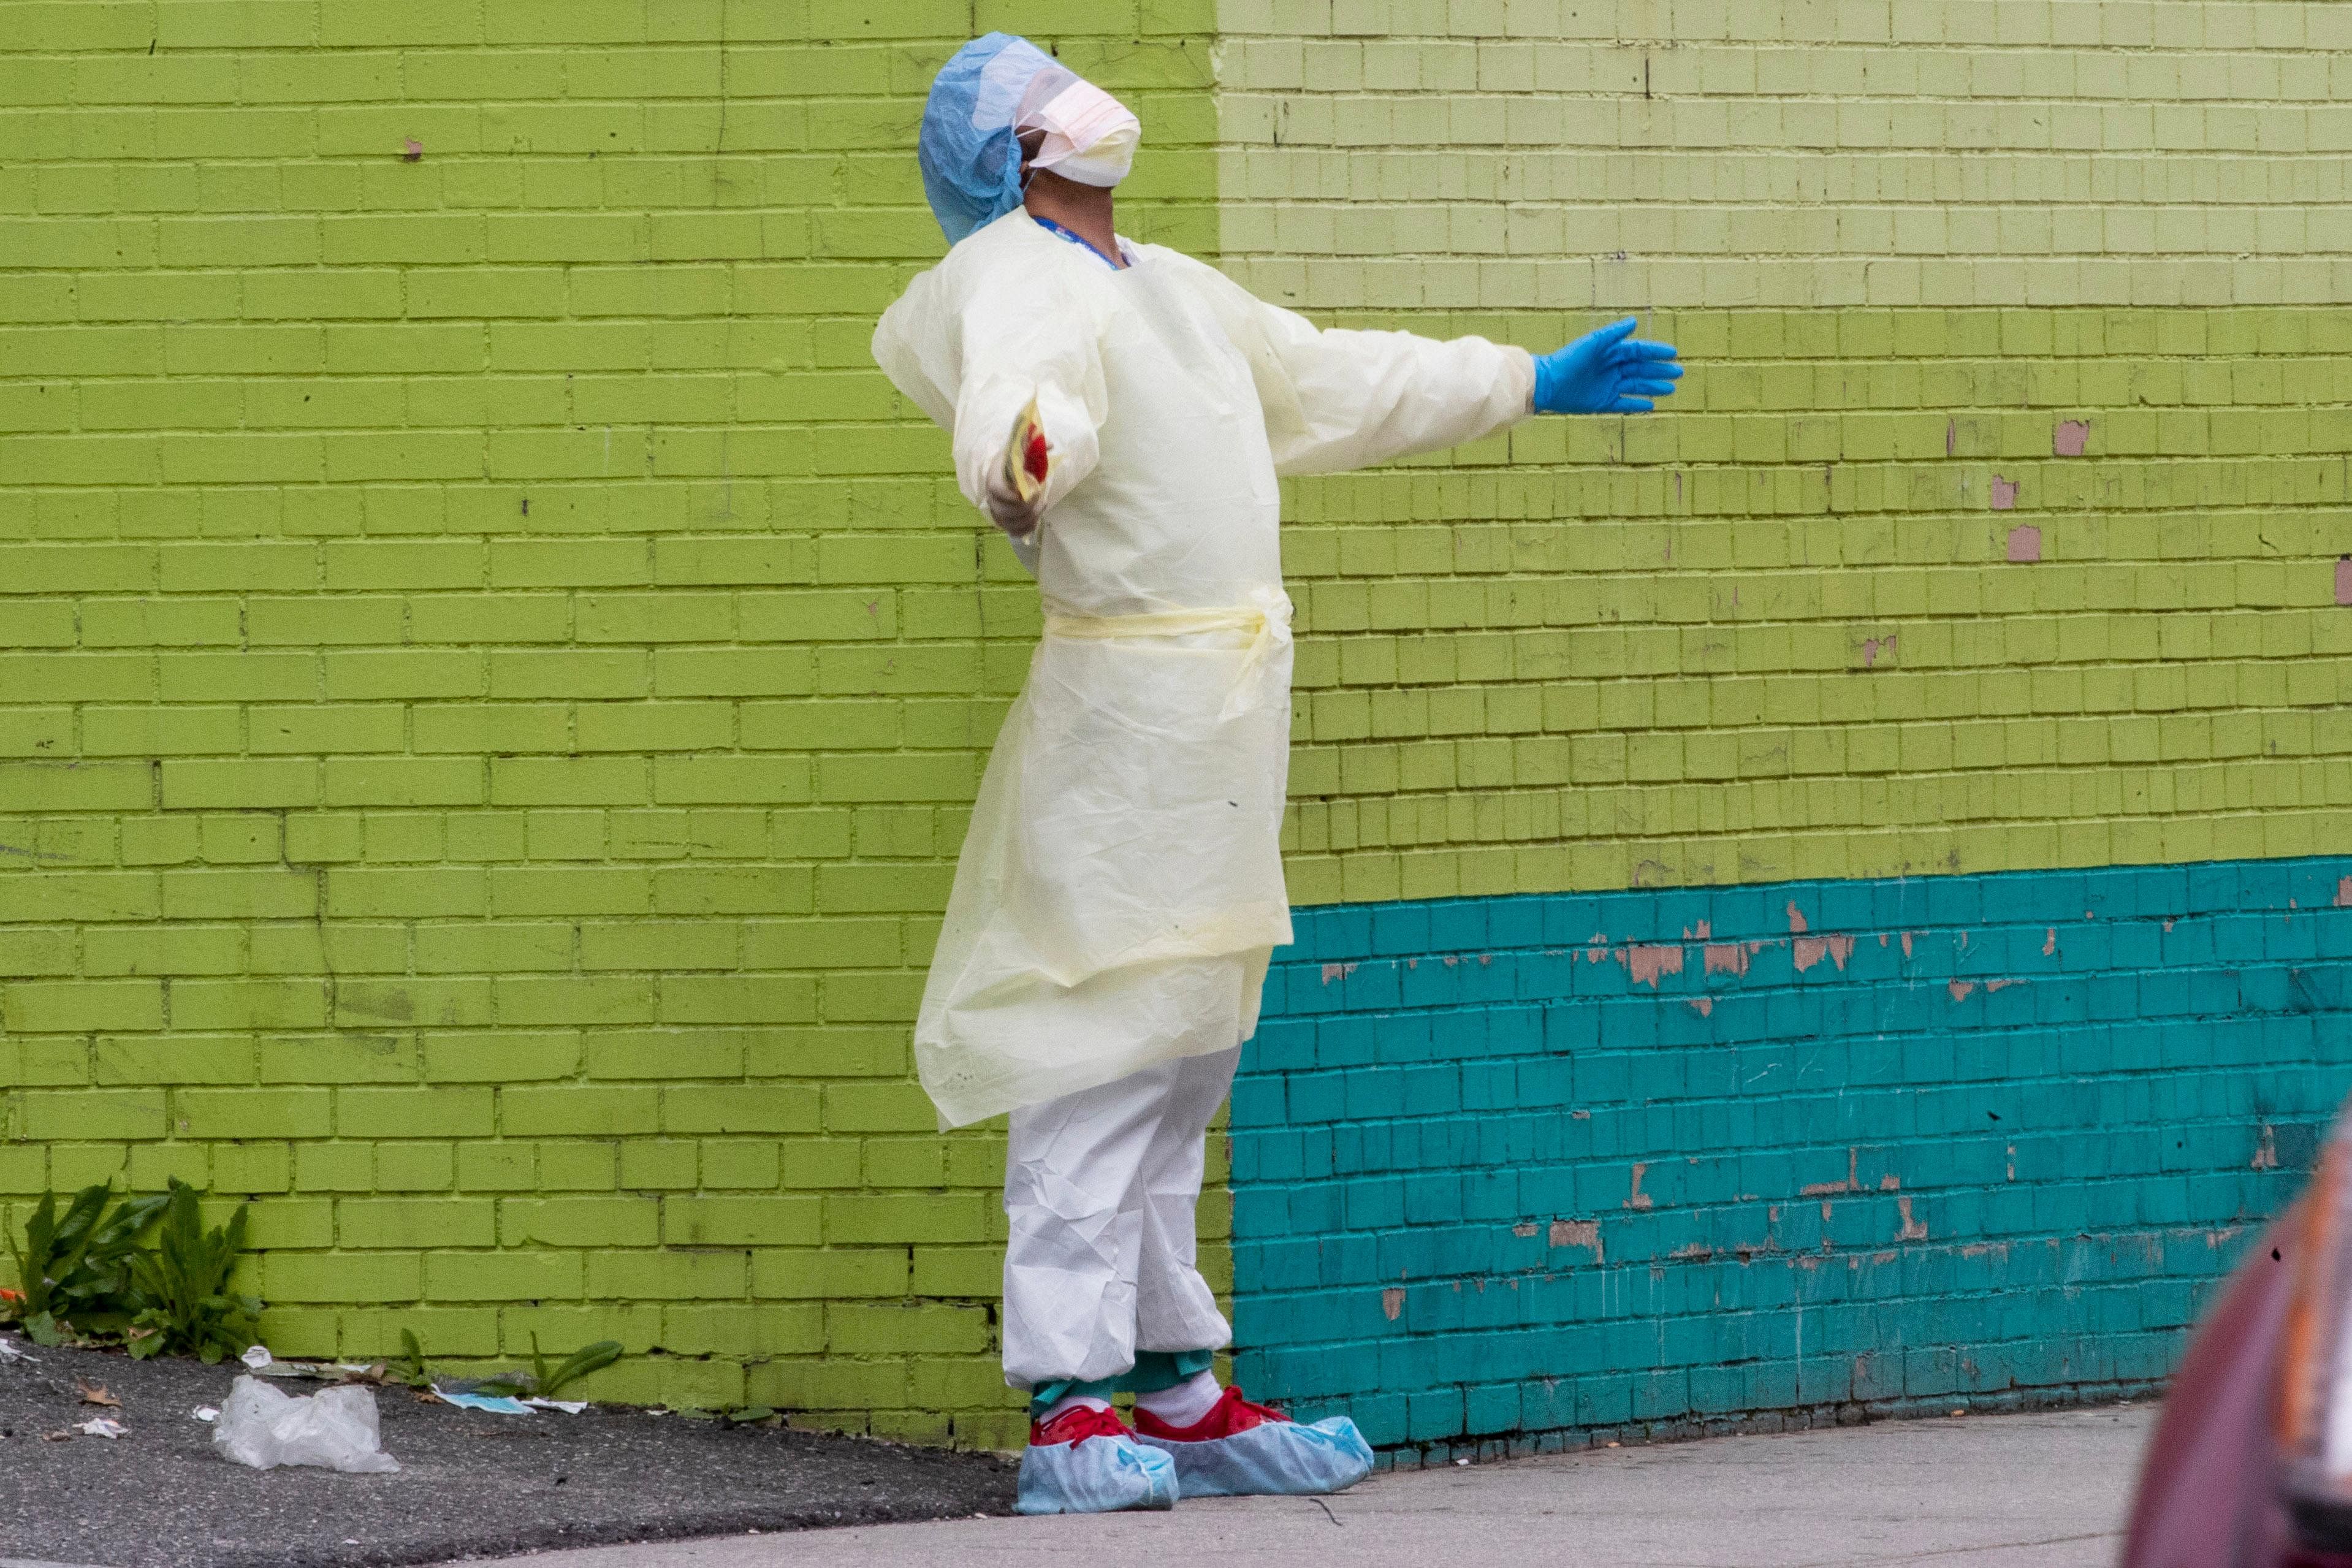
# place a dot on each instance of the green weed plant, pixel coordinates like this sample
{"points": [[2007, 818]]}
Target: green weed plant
{"points": [[74, 1270], [186, 1308]]}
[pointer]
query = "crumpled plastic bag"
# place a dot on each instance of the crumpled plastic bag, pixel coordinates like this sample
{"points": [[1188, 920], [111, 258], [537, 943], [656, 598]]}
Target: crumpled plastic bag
{"points": [[334, 1429], [1099, 1475], [1281, 1458]]}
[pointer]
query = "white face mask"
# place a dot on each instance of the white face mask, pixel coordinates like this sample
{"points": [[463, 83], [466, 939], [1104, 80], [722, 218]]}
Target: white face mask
{"points": [[1091, 136]]}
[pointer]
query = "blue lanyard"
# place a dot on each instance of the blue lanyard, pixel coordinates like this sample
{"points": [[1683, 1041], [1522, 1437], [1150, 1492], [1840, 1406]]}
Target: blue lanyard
{"points": [[1075, 239]]}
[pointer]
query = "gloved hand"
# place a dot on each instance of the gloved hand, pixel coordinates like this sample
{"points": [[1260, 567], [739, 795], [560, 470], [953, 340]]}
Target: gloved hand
{"points": [[1016, 486], [1606, 371], [1016, 516]]}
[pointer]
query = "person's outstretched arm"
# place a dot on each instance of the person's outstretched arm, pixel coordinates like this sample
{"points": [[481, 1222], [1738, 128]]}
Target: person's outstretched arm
{"points": [[1337, 398], [974, 349]]}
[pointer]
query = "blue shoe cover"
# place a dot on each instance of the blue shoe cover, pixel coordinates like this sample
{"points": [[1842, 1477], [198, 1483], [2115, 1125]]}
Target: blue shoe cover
{"points": [[1097, 1475], [1281, 1458]]}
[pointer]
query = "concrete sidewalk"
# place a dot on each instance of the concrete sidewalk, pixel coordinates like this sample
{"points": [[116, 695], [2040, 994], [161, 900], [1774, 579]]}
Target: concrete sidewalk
{"points": [[2006, 1492]]}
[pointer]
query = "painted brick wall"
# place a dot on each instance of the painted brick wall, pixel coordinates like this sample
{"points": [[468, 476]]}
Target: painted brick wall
{"points": [[1998, 528], [1531, 1170], [1556, 154], [1906, 582], [490, 678]]}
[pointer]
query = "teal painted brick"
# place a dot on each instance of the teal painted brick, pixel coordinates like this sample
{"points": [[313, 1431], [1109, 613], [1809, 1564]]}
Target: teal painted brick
{"points": [[1788, 1148]]}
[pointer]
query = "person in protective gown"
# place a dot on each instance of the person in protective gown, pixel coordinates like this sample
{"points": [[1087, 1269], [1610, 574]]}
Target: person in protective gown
{"points": [[1122, 412]]}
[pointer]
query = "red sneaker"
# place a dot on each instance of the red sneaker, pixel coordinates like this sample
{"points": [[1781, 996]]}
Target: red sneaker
{"points": [[1077, 1424], [1229, 1414]]}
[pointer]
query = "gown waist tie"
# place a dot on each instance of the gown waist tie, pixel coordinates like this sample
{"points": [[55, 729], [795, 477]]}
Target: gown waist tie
{"points": [[1263, 617]]}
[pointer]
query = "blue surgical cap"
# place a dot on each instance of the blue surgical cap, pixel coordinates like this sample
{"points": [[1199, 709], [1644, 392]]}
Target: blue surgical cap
{"points": [[969, 149]]}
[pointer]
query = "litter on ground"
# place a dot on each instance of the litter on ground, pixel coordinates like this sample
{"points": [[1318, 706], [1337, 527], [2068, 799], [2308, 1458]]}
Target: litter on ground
{"points": [[334, 1429], [469, 1486], [496, 1404]]}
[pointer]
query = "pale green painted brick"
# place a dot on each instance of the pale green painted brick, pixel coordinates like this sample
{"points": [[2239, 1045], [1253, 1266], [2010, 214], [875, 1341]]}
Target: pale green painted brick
{"points": [[669, 1275], [33, 1007], [292, 1004], [580, 1222], [498, 1167], [532, 1276], [419, 1223], [346, 1058], [271, 1113], [659, 1164], [812, 1274], [42, 786], [563, 999], [175, 1058], [260, 894], [470, 946], [415, 1167], [337, 1277], [437, 1112], [764, 1221], [501, 1056], [579, 1109], [874, 1329], [739, 1107], [257, 1168], [854, 1217], [766, 1329], [154, 1166], [750, 1164]]}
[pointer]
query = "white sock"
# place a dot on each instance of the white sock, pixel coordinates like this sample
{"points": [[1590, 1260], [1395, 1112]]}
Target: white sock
{"points": [[1056, 1411], [1185, 1404]]}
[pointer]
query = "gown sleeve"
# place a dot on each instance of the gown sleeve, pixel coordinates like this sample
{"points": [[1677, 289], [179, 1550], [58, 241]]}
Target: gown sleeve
{"points": [[973, 343], [1337, 398]]}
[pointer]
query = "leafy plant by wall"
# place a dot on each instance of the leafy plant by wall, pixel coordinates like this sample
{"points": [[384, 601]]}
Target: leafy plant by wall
{"points": [[186, 1307]]}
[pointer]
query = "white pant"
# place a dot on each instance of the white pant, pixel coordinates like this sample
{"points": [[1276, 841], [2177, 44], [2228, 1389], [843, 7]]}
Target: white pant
{"points": [[1100, 1188]]}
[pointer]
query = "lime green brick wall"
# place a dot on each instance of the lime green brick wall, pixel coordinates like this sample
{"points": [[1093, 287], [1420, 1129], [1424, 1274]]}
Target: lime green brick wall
{"points": [[1960, 284], [1793, 631], [490, 678]]}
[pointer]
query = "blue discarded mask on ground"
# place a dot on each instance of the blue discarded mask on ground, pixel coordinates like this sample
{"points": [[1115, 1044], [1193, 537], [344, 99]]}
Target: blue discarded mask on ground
{"points": [[1281, 1458], [970, 148]]}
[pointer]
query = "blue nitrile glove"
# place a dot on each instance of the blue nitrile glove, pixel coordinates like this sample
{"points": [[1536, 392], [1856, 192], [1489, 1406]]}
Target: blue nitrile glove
{"points": [[1607, 371]]}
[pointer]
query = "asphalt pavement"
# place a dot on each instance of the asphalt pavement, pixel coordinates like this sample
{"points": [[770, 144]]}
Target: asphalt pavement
{"points": [[2044, 1490], [470, 1484], [2038, 1490]]}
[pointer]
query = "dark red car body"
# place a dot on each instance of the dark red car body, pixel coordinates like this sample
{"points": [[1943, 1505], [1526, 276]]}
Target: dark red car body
{"points": [[2215, 1491]]}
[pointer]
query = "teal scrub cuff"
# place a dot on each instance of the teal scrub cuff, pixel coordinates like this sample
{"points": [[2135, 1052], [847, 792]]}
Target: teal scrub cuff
{"points": [[1152, 1371]]}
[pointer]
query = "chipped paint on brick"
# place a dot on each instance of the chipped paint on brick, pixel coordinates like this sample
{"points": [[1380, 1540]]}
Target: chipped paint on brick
{"points": [[1810, 951], [1583, 1233], [1647, 962]]}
